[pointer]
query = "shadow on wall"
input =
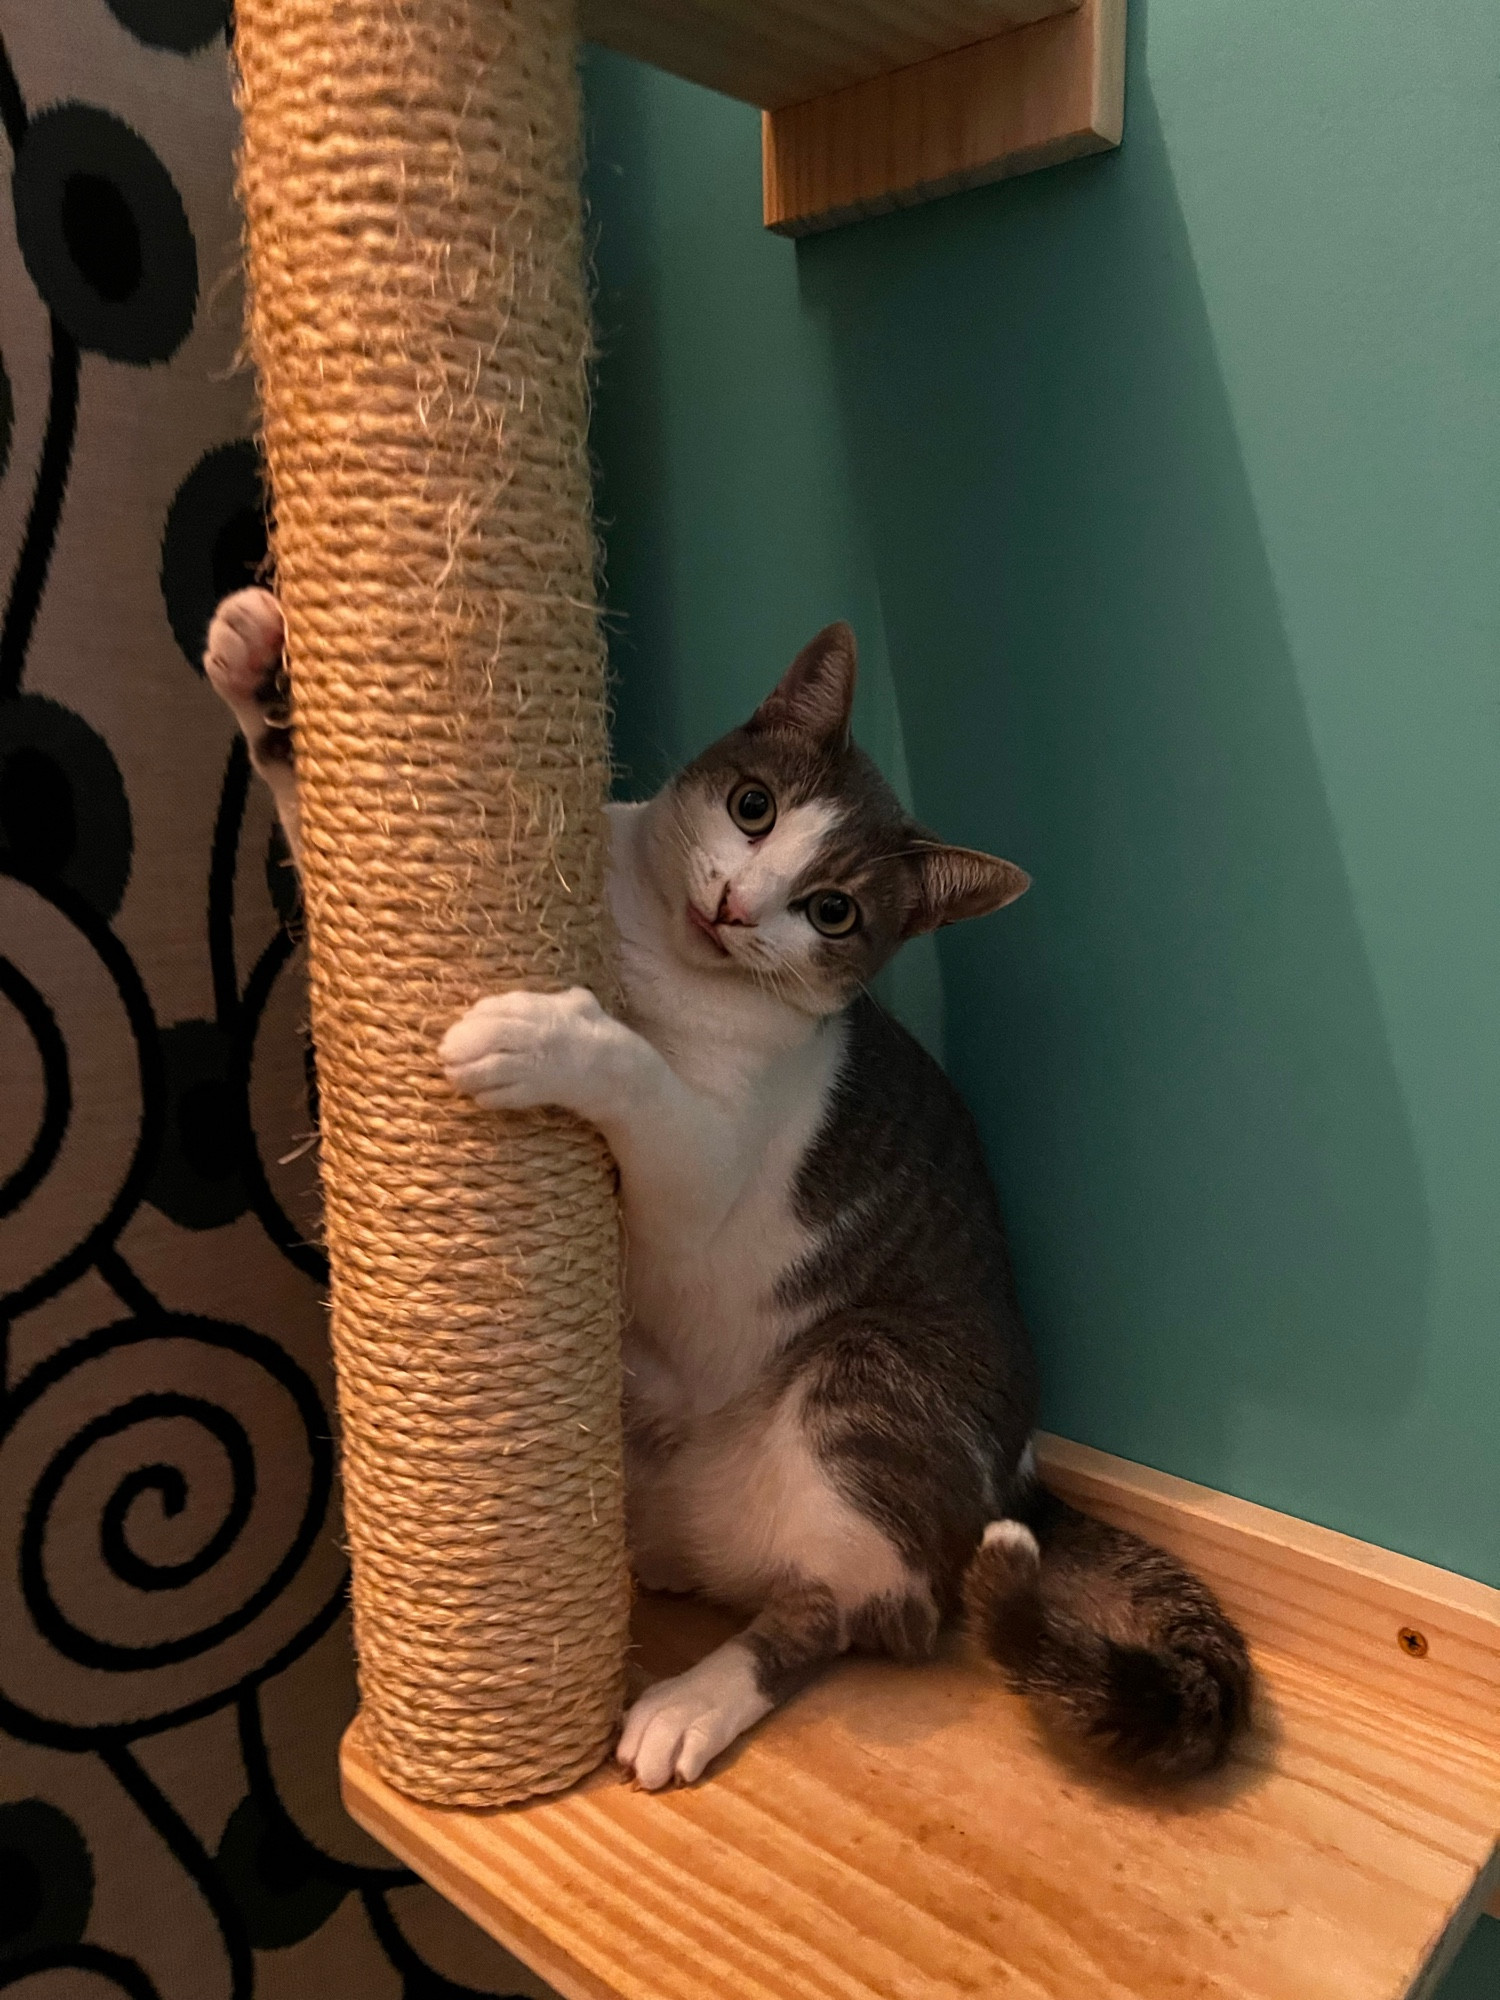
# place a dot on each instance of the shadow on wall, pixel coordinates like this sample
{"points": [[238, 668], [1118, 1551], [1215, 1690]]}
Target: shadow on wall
{"points": [[721, 487], [627, 434], [1476, 1974], [1174, 1043]]}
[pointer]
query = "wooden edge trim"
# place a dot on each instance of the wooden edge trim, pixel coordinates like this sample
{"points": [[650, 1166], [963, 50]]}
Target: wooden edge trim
{"points": [[1079, 1465], [1397, 1628], [440, 1854], [1039, 95], [1482, 1900]]}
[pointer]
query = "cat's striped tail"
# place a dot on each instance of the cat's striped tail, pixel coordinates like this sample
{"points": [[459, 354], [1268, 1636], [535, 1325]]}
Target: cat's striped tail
{"points": [[1112, 1638]]}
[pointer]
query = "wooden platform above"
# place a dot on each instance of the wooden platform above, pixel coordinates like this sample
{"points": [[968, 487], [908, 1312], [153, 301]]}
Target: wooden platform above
{"points": [[906, 1833], [1032, 98], [772, 53], [873, 105]]}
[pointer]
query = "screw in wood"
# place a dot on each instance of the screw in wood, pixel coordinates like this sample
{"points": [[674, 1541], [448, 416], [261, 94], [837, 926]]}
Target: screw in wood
{"points": [[1410, 1640]]}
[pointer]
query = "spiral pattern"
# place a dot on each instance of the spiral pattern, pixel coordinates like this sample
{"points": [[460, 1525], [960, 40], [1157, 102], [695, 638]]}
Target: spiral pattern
{"points": [[170, 1552], [168, 1537]]}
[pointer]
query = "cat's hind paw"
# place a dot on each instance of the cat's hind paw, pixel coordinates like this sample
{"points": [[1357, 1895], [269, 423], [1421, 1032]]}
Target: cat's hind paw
{"points": [[677, 1728]]}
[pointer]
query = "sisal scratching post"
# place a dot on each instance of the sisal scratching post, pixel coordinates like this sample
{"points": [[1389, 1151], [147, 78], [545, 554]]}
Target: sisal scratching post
{"points": [[418, 320]]}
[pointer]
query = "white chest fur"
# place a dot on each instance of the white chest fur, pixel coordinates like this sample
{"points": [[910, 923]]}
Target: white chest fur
{"points": [[710, 1092], [701, 1270]]}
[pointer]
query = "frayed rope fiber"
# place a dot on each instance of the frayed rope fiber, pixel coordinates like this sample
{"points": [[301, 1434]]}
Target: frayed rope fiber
{"points": [[417, 316]]}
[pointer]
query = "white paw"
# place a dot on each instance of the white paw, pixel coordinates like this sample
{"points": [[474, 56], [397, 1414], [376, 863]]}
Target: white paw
{"points": [[677, 1728], [513, 1051], [244, 648], [1014, 1536]]}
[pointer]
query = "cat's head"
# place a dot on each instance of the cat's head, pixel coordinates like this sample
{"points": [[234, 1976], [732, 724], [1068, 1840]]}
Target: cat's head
{"points": [[784, 857]]}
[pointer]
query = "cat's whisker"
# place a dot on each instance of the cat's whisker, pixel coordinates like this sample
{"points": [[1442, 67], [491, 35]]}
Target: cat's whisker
{"points": [[793, 972]]}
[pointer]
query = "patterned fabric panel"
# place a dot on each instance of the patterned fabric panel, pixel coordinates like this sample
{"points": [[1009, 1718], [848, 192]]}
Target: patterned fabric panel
{"points": [[175, 1663]]}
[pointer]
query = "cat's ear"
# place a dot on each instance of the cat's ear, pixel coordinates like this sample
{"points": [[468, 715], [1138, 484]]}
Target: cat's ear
{"points": [[958, 882], [816, 693]]}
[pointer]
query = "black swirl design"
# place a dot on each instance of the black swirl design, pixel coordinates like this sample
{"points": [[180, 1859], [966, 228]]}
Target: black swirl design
{"points": [[240, 1014], [57, 1093], [180, 25], [121, 1972], [35, 555], [198, 1180], [215, 540], [118, 963], [166, 1480], [171, 1489], [160, 1490], [281, 1883], [48, 1879], [104, 234], [7, 417], [64, 816], [282, 1231], [193, 1858]]}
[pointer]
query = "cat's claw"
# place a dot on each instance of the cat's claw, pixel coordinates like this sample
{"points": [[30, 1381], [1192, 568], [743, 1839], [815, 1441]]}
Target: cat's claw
{"points": [[514, 1051], [677, 1728]]}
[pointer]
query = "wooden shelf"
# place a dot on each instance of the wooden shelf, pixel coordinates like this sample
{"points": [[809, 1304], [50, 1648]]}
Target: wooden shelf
{"points": [[877, 104], [771, 53], [905, 1833]]}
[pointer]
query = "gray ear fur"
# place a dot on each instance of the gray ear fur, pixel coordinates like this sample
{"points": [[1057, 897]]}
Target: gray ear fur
{"points": [[958, 882], [816, 693]]}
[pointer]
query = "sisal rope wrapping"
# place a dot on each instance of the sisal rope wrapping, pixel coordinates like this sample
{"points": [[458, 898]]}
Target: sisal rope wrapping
{"points": [[418, 318]]}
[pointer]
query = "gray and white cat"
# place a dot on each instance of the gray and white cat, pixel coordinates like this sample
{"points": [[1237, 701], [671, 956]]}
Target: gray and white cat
{"points": [[830, 1390]]}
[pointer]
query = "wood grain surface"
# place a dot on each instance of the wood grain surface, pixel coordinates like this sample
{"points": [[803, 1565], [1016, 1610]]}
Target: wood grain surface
{"points": [[906, 1832], [1008, 105], [775, 52], [1345, 1605]]}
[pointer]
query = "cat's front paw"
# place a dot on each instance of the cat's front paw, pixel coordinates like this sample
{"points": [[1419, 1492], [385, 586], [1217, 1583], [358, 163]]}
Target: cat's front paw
{"points": [[514, 1051], [677, 1728], [242, 657], [243, 663]]}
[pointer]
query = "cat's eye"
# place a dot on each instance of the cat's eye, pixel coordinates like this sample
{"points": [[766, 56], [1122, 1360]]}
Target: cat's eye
{"points": [[833, 913], [752, 808]]}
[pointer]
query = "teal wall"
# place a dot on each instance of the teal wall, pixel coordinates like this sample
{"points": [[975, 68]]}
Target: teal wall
{"points": [[1164, 493]]}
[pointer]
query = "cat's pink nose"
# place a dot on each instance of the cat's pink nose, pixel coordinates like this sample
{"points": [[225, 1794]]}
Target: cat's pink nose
{"points": [[731, 909]]}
